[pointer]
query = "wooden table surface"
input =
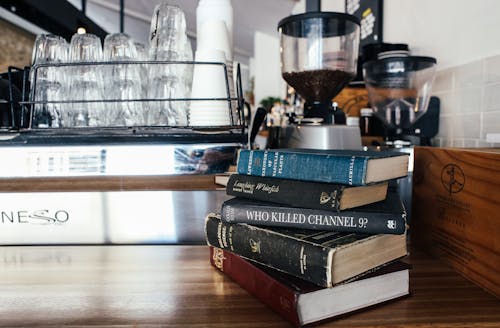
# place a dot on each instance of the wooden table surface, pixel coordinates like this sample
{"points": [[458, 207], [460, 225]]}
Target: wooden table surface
{"points": [[175, 286]]}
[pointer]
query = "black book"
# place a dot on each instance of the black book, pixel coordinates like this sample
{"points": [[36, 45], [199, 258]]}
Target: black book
{"points": [[324, 258], [387, 216], [308, 194]]}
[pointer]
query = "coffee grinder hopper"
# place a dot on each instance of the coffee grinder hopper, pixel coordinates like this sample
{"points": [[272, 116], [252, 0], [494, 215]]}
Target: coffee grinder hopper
{"points": [[399, 91], [319, 52]]}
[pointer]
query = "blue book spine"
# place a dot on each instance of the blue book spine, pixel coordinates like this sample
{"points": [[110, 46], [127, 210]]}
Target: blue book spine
{"points": [[348, 169]]}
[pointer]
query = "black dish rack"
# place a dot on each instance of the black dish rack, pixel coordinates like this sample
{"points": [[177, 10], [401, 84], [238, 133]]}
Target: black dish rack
{"points": [[17, 113]]}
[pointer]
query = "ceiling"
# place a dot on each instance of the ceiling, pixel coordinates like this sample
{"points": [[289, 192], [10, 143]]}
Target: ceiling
{"points": [[249, 16]]}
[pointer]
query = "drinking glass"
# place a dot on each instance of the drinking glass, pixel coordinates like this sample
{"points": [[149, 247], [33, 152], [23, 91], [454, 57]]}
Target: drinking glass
{"points": [[85, 48], [166, 17], [84, 113], [168, 42], [47, 114], [48, 49], [47, 82], [122, 82], [163, 112], [188, 56], [142, 55], [142, 51], [85, 83]]}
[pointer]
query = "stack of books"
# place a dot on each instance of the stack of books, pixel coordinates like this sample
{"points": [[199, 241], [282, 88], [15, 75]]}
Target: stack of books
{"points": [[313, 234]]}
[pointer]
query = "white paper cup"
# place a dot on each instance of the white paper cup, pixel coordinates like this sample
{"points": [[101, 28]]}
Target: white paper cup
{"points": [[210, 119], [209, 123], [218, 107], [213, 105], [209, 81], [209, 111], [216, 9], [210, 116], [213, 35]]}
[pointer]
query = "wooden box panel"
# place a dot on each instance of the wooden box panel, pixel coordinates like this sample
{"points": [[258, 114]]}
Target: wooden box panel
{"points": [[351, 100], [456, 210]]}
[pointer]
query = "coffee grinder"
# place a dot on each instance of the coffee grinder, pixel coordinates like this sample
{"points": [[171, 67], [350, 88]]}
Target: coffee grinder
{"points": [[319, 52], [399, 91]]}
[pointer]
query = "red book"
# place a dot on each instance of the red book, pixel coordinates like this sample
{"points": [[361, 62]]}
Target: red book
{"points": [[301, 302]]}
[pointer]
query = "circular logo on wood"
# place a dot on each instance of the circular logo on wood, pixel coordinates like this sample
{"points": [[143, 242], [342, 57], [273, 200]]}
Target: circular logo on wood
{"points": [[452, 178]]}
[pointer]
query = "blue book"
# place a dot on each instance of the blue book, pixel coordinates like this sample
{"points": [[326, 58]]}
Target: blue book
{"points": [[349, 167]]}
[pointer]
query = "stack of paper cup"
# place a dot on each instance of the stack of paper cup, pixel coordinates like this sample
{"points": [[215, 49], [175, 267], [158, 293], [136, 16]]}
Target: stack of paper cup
{"points": [[209, 82], [215, 10], [213, 35]]}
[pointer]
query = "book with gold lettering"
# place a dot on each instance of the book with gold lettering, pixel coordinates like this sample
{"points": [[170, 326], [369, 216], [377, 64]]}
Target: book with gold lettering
{"points": [[387, 216], [456, 210], [296, 193], [349, 167], [324, 258]]}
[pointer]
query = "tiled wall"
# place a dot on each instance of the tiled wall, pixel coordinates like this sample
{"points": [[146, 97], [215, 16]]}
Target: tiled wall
{"points": [[470, 103]]}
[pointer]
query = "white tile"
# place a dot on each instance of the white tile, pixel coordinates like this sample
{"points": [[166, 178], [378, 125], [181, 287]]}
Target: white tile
{"points": [[469, 75], [492, 97], [483, 144], [490, 124], [470, 143], [465, 143], [466, 126], [449, 103], [493, 137], [436, 142], [443, 80], [445, 127], [492, 69], [458, 143], [469, 100], [447, 143]]}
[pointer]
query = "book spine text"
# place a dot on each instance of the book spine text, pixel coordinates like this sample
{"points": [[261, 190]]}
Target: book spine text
{"points": [[349, 170], [284, 253], [285, 191], [304, 218]]}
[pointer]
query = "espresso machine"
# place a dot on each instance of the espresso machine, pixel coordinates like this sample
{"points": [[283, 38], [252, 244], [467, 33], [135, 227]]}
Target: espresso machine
{"points": [[319, 52]]}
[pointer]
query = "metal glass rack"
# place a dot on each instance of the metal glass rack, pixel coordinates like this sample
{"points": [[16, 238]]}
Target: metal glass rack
{"points": [[22, 129]]}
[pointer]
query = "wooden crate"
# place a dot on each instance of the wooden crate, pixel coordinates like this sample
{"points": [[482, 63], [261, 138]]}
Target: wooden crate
{"points": [[456, 210]]}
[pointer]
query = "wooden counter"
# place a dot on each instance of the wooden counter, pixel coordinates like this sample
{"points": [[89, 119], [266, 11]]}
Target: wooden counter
{"points": [[176, 286], [109, 183]]}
